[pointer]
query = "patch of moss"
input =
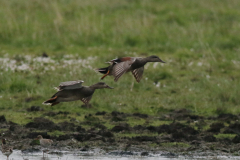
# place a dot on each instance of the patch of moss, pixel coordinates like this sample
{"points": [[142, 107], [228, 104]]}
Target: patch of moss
{"points": [[35, 142], [221, 136], [132, 121], [158, 122], [130, 135], [56, 133]]}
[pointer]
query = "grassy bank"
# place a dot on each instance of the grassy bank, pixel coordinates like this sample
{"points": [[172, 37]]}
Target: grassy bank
{"points": [[146, 26], [199, 40]]}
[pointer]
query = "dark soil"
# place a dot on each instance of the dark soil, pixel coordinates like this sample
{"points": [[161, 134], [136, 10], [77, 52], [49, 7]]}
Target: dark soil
{"points": [[197, 133], [216, 127], [44, 55], [101, 113], [43, 123], [35, 108], [2, 119]]}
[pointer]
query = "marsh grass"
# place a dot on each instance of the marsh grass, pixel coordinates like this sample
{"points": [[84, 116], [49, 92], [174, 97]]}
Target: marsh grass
{"points": [[198, 40], [56, 133], [222, 136], [143, 25], [132, 135]]}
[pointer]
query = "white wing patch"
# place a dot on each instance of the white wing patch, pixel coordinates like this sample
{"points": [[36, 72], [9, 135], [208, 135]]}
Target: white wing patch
{"points": [[46, 103]]}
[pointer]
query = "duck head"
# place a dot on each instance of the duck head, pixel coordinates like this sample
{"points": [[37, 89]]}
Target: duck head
{"points": [[154, 59]]}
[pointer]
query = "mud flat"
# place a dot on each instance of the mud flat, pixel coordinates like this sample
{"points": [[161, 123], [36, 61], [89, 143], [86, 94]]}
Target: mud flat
{"points": [[180, 133]]}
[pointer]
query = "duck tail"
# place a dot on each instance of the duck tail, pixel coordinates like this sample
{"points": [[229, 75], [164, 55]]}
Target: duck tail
{"points": [[51, 101], [103, 70]]}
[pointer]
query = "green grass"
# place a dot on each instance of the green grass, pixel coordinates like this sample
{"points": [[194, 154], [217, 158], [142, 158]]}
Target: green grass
{"points": [[133, 121], [56, 133], [142, 25], [221, 136], [132, 135], [199, 40]]}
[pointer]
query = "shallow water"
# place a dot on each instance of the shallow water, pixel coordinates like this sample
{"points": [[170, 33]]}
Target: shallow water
{"points": [[65, 155]]}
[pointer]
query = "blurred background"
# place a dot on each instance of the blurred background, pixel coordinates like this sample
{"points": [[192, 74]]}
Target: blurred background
{"points": [[46, 42], [145, 26]]}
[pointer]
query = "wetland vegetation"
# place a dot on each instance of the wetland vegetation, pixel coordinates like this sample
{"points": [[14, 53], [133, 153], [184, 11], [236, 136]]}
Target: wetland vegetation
{"points": [[45, 42]]}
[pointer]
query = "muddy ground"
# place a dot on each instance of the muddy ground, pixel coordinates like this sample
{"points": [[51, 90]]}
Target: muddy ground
{"points": [[185, 134]]}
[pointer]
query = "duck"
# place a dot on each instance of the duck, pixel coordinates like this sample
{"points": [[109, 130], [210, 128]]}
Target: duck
{"points": [[6, 150], [44, 142], [73, 91], [119, 66]]}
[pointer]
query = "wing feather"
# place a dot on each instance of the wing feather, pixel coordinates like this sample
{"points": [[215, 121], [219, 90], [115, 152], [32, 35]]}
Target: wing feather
{"points": [[137, 73], [70, 85], [120, 68], [86, 99]]}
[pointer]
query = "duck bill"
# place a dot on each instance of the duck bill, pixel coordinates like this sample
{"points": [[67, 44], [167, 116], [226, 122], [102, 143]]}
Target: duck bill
{"points": [[162, 61], [109, 87]]}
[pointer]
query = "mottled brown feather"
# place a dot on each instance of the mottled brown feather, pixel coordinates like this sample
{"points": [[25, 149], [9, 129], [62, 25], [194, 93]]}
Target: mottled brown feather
{"points": [[138, 73], [6, 149]]}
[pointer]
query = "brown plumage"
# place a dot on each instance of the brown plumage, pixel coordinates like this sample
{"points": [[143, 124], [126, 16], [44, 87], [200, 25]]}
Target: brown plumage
{"points": [[6, 150], [120, 66], [70, 91], [44, 142]]}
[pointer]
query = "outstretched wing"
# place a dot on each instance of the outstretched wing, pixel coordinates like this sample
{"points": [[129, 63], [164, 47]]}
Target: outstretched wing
{"points": [[120, 68], [70, 85], [137, 73]]}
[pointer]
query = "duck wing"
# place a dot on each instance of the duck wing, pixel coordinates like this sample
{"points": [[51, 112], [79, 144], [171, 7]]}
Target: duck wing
{"points": [[86, 99], [70, 85], [122, 67], [137, 73]]}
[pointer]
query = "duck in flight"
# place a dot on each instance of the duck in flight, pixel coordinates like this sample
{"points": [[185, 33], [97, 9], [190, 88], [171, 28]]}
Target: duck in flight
{"points": [[120, 66], [73, 91]]}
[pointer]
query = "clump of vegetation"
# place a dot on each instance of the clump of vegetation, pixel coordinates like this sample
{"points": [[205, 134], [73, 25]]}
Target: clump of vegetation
{"points": [[56, 133]]}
